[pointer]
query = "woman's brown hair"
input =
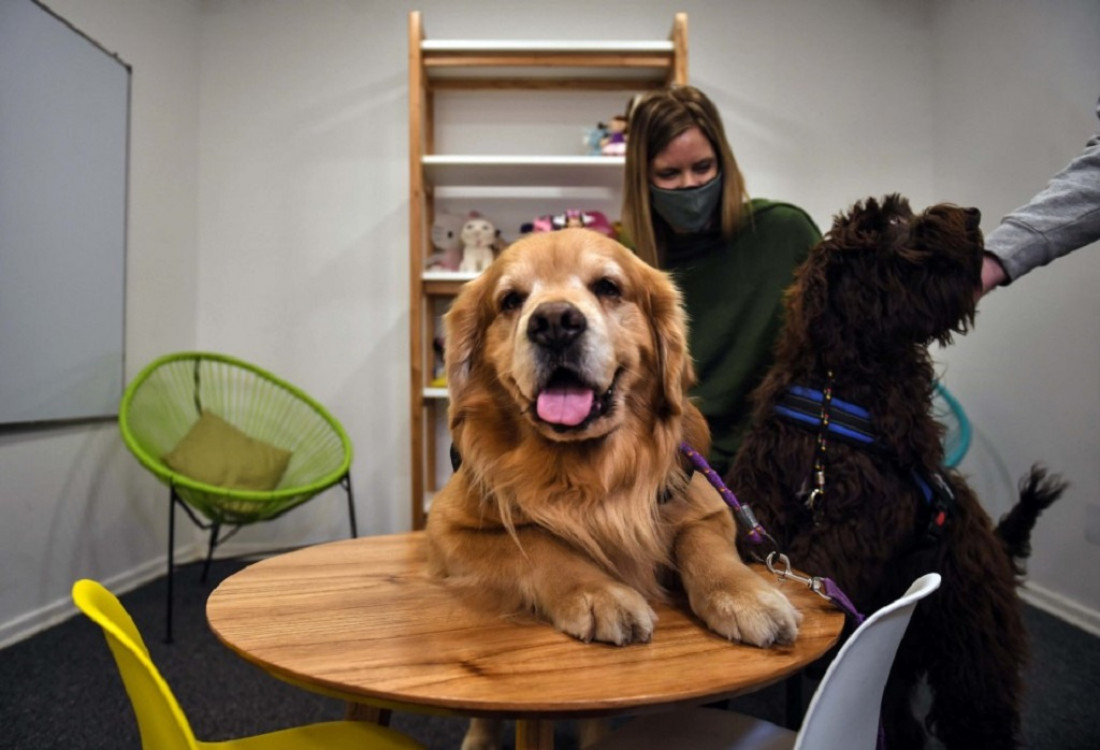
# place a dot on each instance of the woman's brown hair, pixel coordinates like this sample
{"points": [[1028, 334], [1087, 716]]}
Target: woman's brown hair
{"points": [[656, 118]]}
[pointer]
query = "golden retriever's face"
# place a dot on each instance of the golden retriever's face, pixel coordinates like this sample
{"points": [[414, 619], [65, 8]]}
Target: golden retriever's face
{"points": [[574, 329]]}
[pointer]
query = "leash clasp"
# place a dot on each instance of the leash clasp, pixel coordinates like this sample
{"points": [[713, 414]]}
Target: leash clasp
{"points": [[815, 495], [785, 572]]}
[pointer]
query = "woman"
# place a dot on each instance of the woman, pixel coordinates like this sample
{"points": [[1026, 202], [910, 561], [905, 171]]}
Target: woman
{"points": [[685, 209]]}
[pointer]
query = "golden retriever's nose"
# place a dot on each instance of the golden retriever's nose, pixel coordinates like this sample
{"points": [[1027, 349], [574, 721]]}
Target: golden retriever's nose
{"points": [[555, 325]]}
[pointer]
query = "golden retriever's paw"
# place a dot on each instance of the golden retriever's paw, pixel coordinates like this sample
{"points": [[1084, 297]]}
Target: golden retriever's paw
{"points": [[760, 616], [612, 614]]}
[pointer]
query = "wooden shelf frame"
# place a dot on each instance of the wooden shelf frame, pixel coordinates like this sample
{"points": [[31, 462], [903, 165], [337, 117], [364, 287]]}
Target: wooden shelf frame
{"points": [[489, 65]]}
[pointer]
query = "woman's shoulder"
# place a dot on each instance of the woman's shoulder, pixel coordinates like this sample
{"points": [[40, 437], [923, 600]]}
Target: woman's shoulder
{"points": [[780, 214]]}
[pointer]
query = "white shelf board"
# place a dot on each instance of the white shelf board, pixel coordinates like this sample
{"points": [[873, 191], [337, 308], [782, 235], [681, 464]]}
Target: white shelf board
{"points": [[523, 171], [436, 393], [586, 194], [435, 274]]}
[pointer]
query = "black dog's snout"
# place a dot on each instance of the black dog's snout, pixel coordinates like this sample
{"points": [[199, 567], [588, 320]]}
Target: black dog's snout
{"points": [[973, 218], [556, 325]]}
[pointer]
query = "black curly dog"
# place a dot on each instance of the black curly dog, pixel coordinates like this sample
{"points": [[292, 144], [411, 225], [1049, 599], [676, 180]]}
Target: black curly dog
{"points": [[843, 465]]}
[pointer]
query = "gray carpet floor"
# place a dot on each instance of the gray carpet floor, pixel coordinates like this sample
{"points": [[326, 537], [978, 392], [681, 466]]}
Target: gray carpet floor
{"points": [[60, 688]]}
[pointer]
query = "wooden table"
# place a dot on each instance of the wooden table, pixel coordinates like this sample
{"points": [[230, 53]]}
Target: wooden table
{"points": [[360, 620]]}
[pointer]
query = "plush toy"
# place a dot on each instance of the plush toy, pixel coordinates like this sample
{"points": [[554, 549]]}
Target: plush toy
{"points": [[447, 242], [593, 137], [594, 220], [614, 142], [479, 238]]}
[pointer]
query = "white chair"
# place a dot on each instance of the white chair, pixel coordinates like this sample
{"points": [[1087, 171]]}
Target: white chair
{"points": [[843, 713]]}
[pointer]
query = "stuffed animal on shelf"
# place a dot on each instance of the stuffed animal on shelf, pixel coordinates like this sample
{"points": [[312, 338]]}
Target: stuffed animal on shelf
{"points": [[594, 220], [593, 137], [447, 242], [614, 142], [479, 238]]}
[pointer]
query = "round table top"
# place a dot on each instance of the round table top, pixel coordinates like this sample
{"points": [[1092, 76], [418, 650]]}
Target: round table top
{"points": [[361, 619]]}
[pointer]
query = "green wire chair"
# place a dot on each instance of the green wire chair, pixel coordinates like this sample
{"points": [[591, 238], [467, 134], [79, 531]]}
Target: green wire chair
{"points": [[949, 412], [162, 406]]}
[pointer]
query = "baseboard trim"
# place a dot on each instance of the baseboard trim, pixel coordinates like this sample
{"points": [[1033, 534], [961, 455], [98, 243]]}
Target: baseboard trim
{"points": [[36, 621], [1061, 607]]}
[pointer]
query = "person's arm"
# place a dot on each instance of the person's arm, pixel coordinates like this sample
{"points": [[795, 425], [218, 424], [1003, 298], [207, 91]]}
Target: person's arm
{"points": [[1061, 218], [993, 273]]}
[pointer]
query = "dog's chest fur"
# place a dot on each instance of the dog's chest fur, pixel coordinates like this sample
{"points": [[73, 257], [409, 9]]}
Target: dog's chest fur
{"points": [[590, 498]]}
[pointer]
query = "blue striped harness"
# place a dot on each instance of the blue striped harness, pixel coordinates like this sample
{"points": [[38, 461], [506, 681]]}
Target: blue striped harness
{"points": [[831, 417]]}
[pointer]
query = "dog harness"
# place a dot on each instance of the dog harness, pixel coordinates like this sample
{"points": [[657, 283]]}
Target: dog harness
{"points": [[834, 418]]}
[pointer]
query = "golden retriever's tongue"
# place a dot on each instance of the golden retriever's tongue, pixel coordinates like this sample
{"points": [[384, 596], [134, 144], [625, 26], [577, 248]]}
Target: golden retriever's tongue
{"points": [[566, 405]]}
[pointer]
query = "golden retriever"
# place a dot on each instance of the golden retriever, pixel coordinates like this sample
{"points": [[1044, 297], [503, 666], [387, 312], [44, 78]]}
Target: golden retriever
{"points": [[568, 372]]}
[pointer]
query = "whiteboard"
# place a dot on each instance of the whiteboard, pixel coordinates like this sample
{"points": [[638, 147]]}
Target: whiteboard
{"points": [[64, 132]]}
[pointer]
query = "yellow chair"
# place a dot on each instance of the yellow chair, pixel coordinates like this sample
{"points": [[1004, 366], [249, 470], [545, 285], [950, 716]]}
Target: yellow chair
{"points": [[160, 719]]}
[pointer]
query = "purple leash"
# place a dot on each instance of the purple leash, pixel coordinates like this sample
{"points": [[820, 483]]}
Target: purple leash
{"points": [[824, 587]]}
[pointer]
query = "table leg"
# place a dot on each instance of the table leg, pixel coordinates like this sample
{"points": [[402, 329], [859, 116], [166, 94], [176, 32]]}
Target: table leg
{"points": [[534, 734], [371, 714]]}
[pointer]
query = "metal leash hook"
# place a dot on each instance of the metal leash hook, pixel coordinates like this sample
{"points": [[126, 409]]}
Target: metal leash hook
{"points": [[813, 583], [754, 532]]}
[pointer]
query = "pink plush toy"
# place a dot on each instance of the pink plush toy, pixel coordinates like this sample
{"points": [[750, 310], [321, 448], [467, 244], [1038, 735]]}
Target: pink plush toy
{"points": [[447, 242], [594, 220]]}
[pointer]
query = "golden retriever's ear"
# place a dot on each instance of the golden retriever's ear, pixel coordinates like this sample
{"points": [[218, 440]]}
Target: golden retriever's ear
{"points": [[669, 323], [463, 329]]}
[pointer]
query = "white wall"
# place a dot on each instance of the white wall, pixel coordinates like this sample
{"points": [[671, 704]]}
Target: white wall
{"points": [[274, 140], [1016, 87], [73, 501]]}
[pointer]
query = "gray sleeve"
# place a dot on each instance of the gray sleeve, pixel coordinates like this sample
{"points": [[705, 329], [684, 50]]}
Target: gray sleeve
{"points": [[1063, 217]]}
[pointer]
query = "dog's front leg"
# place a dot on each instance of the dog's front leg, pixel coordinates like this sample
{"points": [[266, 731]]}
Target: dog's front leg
{"points": [[547, 576], [730, 598], [575, 595]]}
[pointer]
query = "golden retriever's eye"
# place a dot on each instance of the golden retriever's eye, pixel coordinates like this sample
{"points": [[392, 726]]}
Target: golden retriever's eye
{"points": [[605, 288], [511, 301]]}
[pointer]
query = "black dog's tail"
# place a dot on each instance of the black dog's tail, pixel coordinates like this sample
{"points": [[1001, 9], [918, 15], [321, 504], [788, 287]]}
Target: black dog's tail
{"points": [[1038, 491]]}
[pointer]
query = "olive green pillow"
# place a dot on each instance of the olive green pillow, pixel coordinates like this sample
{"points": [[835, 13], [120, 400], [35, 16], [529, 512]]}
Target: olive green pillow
{"points": [[215, 452]]}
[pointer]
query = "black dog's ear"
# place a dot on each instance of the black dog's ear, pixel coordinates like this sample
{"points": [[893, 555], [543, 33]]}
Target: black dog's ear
{"points": [[807, 302], [824, 300], [849, 290], [942, 262]]}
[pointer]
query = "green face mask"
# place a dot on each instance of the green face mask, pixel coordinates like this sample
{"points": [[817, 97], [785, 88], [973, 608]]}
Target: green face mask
{"points": [[687, 209]]}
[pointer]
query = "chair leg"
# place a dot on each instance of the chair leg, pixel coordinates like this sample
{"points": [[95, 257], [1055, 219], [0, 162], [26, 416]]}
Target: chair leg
{"points": [[171, 550], [346, 482], [214, 528]]}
